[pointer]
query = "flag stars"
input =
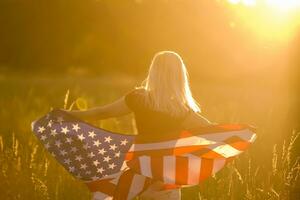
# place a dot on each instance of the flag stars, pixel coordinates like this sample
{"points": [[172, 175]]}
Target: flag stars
{"points": [[78, 158], [101, 151], [92, 134], [73, 149], [41, 129], [50, 123], [91, 154], [81, 137], [44, 137], [69, 140], [86, 146], [72, 169], [47, 145], [106, 159], [53, 132], [124, 142], [75, 127], [64, 130], [57, 143], [83, 166], [100, 170], [67, 161], [96, 162], [63, 152], [107, 139], [97, 143], [112, 147], [111, 166], [117, 155]]}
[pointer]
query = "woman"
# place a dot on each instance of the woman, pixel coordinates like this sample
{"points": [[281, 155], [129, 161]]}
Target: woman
{"points": [[163, 105]]}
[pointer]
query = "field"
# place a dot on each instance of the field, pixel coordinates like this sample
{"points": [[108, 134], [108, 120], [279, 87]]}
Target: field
{"points": [[270, 169]]}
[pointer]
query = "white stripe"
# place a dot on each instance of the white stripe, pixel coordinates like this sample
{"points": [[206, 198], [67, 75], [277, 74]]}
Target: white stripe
{"points": [[169, 169], [137, 185], [225, 150], [194, 163], [218, 164], [145, 165], [245, 134], [189, 141], [100, 196]]}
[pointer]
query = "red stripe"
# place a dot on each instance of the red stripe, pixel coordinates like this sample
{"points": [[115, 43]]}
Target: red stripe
{"points": [[182, 166], [157, 167], [103, 186], [124, 185], [206, 168]]}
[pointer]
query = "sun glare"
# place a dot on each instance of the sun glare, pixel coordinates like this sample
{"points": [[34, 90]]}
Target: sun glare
{"points": [[269, 19]]}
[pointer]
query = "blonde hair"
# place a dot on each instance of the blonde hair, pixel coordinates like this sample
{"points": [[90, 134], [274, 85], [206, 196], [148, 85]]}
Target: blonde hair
{"points": [[167, 85]]}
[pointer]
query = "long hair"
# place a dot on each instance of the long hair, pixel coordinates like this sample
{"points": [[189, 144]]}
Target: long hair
{"points": [[167, 85]]}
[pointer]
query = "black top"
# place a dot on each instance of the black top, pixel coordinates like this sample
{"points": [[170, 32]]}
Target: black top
{"points": [[152, 125]]}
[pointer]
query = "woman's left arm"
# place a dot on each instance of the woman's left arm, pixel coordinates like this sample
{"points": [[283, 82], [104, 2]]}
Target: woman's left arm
{"points": [[115, 109]]}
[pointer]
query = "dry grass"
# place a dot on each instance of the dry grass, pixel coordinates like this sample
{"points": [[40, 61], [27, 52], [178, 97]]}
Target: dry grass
{"points": [[267, 171]]}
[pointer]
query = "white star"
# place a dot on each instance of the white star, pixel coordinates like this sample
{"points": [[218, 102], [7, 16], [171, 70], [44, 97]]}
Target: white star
{"points": [[112, 147], [79, 158], [83, 166], [67, 161], [124, 142], [86, 146], [92, 134], [91, 155], [100, 170], [117, 155], [72, 169], [64, 130], [81, 137], [106, 159], [49, 123], [88, 172], [96, 162], [75, 127], [57, 143], [47, 145], [69, 140], [108, 139], [44, 137], [63, 152], [73, 149], [112, 166], [41, 129], [97, 143], [53, 132], [101, 151]]}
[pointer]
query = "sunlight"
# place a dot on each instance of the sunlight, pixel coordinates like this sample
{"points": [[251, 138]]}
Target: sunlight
{"points": [[268, 19]]}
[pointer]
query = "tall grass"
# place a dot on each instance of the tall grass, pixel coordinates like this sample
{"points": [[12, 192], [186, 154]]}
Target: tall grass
{"points": [[27, 170]]}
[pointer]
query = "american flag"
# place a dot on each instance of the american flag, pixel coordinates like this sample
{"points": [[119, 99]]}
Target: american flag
{"points": [[115, 166]]}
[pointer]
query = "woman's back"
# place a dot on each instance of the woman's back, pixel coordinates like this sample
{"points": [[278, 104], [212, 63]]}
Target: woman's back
{"points": [[155, 125]]}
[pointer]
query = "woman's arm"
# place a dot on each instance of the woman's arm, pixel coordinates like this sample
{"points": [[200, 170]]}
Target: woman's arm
{"points": [[115, 109]]}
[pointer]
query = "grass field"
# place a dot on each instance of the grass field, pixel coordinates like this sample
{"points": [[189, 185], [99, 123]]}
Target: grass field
{"points": [[270, 169]]}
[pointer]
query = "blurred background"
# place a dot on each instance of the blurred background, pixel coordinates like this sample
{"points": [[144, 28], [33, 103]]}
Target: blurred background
{"points": [[243, 57]]}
